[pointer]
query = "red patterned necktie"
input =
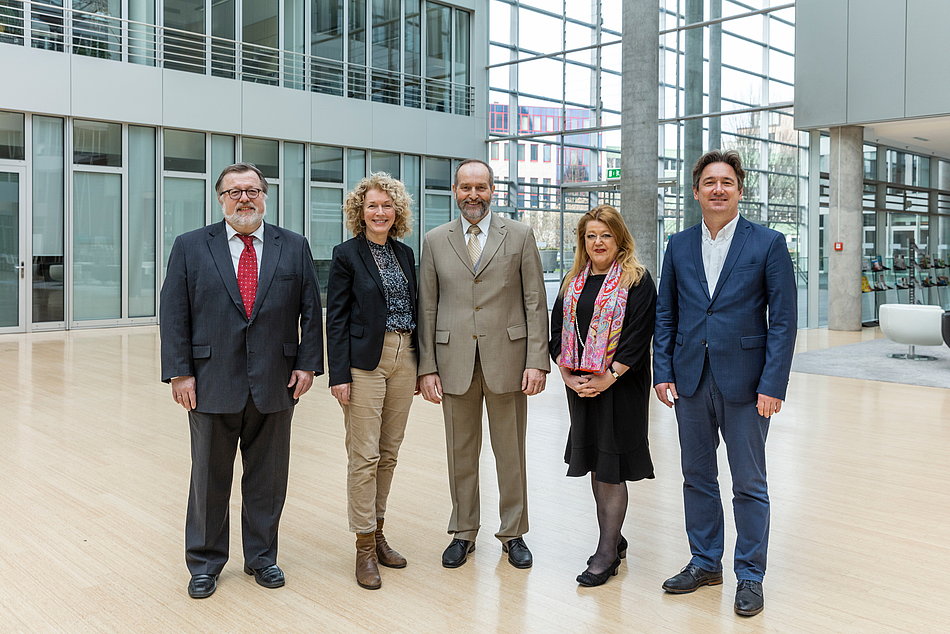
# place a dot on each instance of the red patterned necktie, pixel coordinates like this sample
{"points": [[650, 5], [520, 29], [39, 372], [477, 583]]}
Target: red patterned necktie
{"points": [[247, 273]]}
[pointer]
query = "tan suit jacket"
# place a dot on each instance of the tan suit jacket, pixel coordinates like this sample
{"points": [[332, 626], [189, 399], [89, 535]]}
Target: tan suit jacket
{"points": [[500, 308]]}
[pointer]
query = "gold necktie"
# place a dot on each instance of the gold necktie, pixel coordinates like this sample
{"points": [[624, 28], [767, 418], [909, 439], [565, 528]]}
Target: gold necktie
{"points": [[474, 246]]}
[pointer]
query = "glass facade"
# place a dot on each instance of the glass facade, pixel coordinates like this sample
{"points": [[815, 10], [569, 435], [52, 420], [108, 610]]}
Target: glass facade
{"points": [[554, 115], [365, 49]]}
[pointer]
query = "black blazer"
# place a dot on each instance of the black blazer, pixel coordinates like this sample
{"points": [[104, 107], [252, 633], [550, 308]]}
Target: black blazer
{"points": [[357, 308], [206, 333]]}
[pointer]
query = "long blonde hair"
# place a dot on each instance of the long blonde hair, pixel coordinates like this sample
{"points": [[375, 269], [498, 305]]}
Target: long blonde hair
{"points": [[626, 249], [402, 204]]}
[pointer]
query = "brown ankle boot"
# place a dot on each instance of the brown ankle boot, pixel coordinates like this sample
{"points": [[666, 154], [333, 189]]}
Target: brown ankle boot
{"points": [[384, 554], [367, 571]]}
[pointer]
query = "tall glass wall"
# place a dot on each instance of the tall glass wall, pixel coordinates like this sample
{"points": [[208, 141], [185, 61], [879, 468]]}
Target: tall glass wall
{"points": [[554, 114]]}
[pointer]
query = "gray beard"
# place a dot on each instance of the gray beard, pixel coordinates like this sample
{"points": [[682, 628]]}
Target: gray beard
{"points": [[485, 207], [239, 221]]}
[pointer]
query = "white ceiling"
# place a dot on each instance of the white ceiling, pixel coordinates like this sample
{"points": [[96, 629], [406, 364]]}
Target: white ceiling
{"points": [[925, 136]]}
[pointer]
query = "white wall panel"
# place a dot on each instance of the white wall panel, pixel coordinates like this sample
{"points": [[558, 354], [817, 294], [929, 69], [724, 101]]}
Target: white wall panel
{"points": [[821, 63], [876, 52], [115, 92], [928, 58]]}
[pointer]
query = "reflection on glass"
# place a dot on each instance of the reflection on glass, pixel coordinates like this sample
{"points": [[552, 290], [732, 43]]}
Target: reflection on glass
{"points": [[223, 53], [413, 183], [326, 164], [412, 88], [9, 249], [264, 154], [326, 221], [183, 209], [356, 45], [438, 173], [48, 217], [327, 44], [46, 26], [295, 183], [184, 151], [385, 162], [95, 31], [386, 50], [97, 143], [97, 246], [438, 210], [355, 167], [294, 43], [142, 208], [260, 61], [11, 135], [461, 61], [222, 155], [438, 54], [184, 51]]}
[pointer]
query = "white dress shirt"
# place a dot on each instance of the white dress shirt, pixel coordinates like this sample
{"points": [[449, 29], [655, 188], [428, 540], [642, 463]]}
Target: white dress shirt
{"points": [[715, 251], [483, 225], [236, 245]]}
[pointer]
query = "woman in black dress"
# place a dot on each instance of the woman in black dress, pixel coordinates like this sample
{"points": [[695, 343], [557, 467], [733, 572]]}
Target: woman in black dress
{"points": [[601, 327]]}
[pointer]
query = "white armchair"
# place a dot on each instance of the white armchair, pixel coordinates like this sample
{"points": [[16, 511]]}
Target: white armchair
{"points": [[914, 325]]}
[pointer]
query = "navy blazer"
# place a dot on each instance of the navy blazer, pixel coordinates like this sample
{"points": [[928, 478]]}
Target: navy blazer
{"points": [[357, 308], [748, 326], [206, 333]]}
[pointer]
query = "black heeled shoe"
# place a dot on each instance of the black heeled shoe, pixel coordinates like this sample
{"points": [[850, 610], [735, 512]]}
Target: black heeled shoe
{"points": [[621, 550], [589, 579]]}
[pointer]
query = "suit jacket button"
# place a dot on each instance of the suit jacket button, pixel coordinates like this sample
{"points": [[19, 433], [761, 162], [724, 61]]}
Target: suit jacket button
{"points": [[709, 312], [474, 336], [478, 308], [703, 342]]}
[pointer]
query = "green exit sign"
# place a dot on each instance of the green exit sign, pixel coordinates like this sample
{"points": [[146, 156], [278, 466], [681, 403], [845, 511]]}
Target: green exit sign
{"points": [[613, 172]]}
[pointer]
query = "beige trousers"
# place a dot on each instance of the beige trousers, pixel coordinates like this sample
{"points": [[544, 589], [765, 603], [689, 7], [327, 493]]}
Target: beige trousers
{"points": [[507, 421], [375, 423]]}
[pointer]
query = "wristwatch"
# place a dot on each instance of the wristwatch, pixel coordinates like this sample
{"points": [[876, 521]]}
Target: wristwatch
{"points": [[614, 373]]}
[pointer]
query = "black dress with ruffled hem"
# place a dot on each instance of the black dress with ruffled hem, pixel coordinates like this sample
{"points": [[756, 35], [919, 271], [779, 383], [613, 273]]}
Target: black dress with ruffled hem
{"points": [[608, 435]]}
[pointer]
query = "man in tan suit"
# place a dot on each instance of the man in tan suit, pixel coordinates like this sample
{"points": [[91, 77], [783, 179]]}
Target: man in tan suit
{"points": [[483, 331]]}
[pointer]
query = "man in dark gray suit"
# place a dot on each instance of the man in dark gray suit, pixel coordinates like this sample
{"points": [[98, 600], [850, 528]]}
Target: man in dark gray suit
{"points": [[241, 342]]}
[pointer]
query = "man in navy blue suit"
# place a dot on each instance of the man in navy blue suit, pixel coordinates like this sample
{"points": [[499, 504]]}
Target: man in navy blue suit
{"points": [[722, 350]]}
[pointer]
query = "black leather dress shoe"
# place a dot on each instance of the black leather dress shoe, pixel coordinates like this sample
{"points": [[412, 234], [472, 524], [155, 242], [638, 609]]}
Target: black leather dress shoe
{"points": [[202, 586], [269, 576], [457, 552], [518, 554], [750, 600], [691, 578]]}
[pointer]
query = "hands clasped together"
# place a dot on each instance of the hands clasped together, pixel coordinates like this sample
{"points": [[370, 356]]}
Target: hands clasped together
{"points": [[587, 385]]}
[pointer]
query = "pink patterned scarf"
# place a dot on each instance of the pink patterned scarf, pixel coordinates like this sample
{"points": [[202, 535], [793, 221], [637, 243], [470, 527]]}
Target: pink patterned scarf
{"points": [[598, 350]]}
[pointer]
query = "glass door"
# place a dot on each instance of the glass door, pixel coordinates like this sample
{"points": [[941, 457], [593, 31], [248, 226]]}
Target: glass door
{"points": [[13, 272]]}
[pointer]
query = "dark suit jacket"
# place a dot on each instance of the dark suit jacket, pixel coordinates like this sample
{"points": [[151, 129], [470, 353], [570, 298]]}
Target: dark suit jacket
{"points": [[357, 308], [206, 333], [748, 325]]}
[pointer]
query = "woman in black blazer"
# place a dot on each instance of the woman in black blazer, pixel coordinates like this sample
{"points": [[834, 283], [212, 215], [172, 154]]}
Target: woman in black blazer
{"points": [[371, 348]]}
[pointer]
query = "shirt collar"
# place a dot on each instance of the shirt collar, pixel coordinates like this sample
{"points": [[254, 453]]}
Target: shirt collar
{"points": [[258, 233], [483, 224], [724, 234]]}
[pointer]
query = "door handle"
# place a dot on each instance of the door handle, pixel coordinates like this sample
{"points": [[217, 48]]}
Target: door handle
{"points": [[20, 268]]}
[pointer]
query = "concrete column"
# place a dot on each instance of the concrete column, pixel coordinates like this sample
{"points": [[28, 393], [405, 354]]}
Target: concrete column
{"points": [[846, 167], [715, 75], [639, 135], [693, 144]]}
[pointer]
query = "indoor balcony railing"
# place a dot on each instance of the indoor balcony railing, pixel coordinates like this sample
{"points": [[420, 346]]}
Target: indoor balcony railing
{"points": [[53, 28]]}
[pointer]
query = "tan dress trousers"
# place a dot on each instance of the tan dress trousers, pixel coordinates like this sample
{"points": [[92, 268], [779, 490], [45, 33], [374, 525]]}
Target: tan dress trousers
{"points": [[507, 422], [375, 423]]}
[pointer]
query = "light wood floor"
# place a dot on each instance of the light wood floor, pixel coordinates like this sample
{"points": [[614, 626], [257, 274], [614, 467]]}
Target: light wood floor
{"points": [[94, 480]]}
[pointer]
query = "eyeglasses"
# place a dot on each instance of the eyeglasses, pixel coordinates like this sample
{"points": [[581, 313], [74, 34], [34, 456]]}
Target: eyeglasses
{"points": [[235, 194]]}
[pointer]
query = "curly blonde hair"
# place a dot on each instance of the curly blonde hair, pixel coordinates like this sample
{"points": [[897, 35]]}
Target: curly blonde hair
{"points": [[632, 269], [402, 203]]}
